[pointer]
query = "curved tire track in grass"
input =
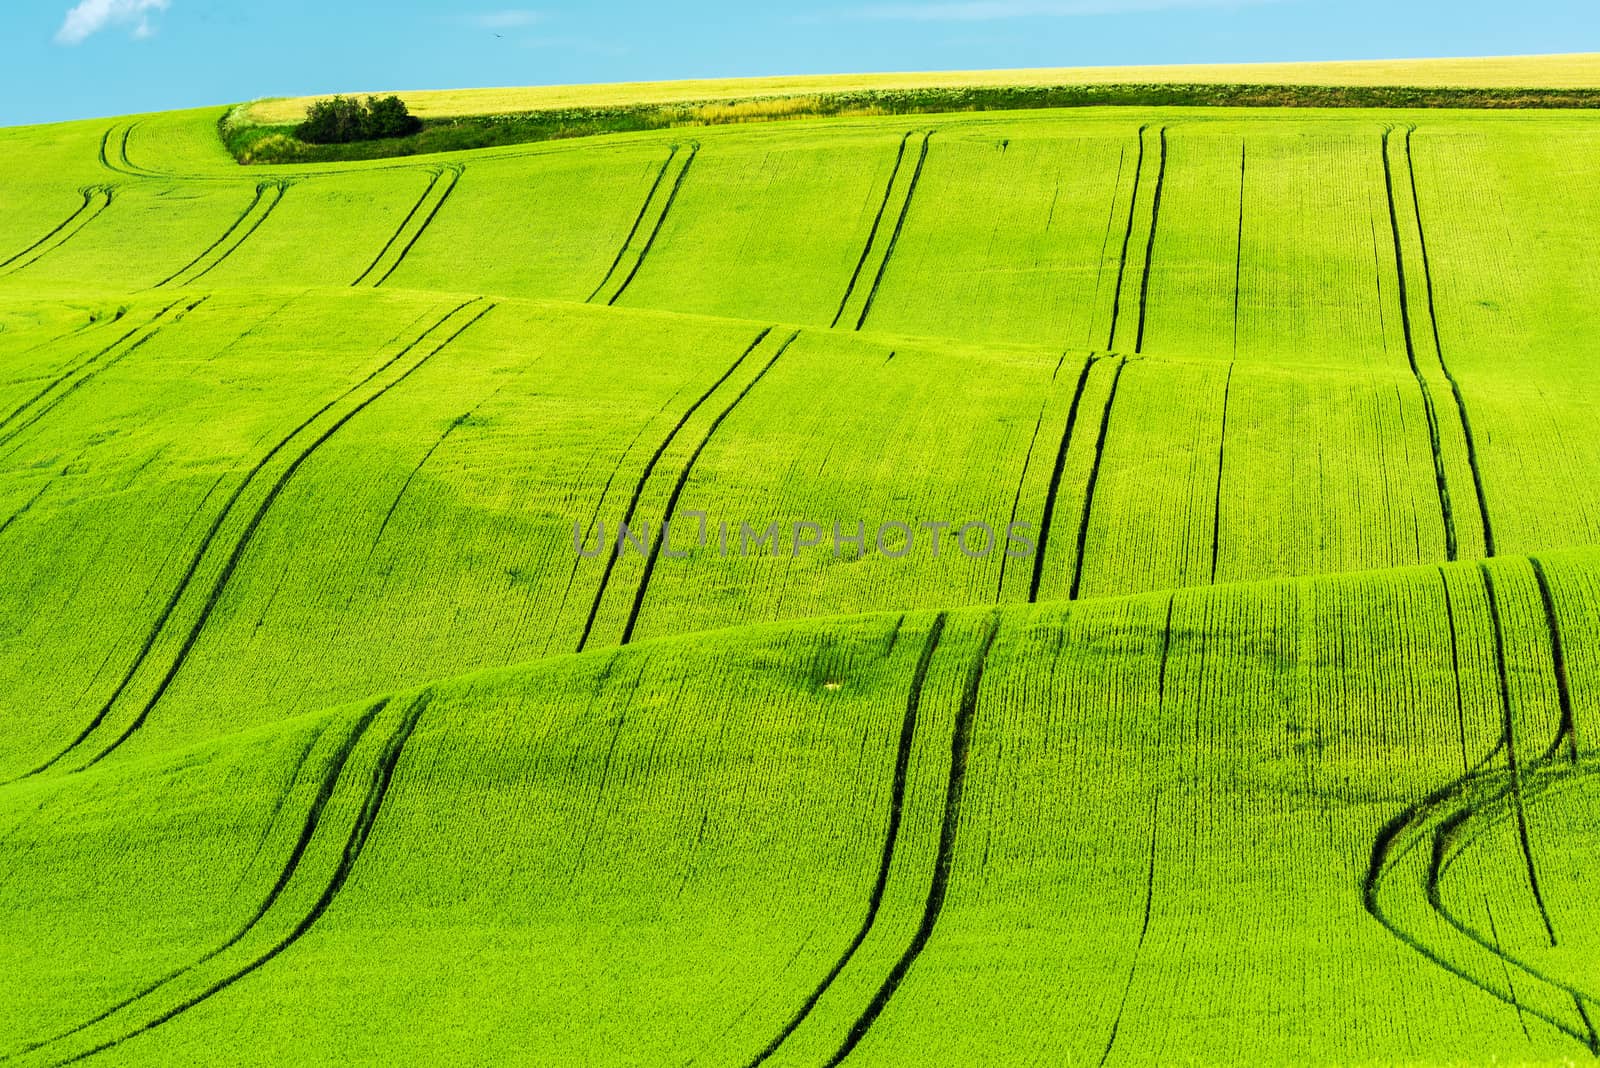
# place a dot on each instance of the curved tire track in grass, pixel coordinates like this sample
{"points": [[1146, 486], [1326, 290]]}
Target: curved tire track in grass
{"points": [[902, 764], [644, 479], [894, 236], [1155, 826], [1127, 242], [1447, 511], [455, 172], [96, 199], [661, 220], [638, 221], [53, 395], [1419, 826], [683, 480], [272, 193], [872, 234], [378, 781], [387, 245], [308, 830], [1510, 739], [960, 744], [249, 208], [599, 504], [1453, 818], [1438, 348], [1150, 245], [1027, 463], [15, 413], [1048, 518], [119, 134], [242, 543], [1094, 479], [1454, 835], [1222, 457]]}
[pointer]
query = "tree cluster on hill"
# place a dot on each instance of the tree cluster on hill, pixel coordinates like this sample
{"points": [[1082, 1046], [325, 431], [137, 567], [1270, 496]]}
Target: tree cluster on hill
{"points": [[342, 119]]}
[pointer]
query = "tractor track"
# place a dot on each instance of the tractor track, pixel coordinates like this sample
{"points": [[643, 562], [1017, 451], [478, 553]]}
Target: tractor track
{"points": [[1452, 546], [1438, 347], [1047, 519], [644, 478], [1027, 463], [933, 907], [1094, 479], [1454, 817], [1127, 242], [683, 480], [638, 221], [96, 199], [433, 180], [872, 234], [908, 730], [184, 583], [1150, 246], [894, 236], [307, 832], [87, 370], [600, 499], [377, 791], [661, 221], [455, 172], [1216, 505], [255, 202]]}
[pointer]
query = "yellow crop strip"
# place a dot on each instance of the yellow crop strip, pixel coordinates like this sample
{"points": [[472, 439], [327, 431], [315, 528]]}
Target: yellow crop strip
{"points": [[1575, 71]]}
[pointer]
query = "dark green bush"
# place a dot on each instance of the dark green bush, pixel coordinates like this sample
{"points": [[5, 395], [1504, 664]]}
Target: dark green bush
{"points": [[340, 120], [388, 117]]}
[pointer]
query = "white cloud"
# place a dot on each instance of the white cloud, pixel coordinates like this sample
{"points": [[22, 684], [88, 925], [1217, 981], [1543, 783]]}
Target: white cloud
{"points": [[503, 20], [92, 16], [992, 10]]}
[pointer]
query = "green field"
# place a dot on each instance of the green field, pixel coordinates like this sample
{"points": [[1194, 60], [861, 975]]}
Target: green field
{"points": [[335, 728]]}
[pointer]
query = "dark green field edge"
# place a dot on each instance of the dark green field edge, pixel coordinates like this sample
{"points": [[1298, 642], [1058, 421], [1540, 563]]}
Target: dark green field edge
{"points": [[1451, 819], [277, 143]]}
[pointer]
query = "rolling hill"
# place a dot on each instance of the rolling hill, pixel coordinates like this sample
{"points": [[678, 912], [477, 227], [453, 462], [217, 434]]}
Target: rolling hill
{"points": [[1092, 586]]}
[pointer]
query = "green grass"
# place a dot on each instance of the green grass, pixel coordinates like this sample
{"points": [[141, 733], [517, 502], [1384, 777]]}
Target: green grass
{"points": [[321, 743]]}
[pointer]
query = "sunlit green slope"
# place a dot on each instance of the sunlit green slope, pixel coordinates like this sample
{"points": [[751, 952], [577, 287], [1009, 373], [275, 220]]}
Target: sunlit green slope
{"points": [[987, 835], [1276, 749]]}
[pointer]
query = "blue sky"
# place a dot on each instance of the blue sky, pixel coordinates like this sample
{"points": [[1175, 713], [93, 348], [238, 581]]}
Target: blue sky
{"points": [[64, 59]]}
